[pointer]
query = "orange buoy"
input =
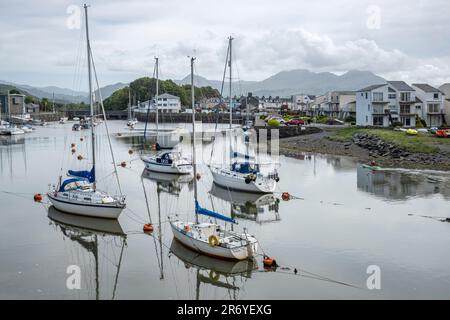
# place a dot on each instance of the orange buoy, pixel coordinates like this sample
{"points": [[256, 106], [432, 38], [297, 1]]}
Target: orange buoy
{"points": [[80, 157], [198, 176], [148, 227], [38, 197], [130, 151], [74, 150], [285, 196], [153, 147], [269, 262], [73, 145], [123, 164]]}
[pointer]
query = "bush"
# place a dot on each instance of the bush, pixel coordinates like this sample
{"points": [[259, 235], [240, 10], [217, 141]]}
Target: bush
{"points": [[262, 117], [397, 124], [350, 119], [273, 123]]}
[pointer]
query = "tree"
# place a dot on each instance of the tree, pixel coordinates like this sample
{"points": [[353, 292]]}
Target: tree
{"points": [[28, 100]]}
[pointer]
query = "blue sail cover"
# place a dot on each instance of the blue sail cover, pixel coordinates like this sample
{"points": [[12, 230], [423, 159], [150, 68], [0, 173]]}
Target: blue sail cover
{"points": [[210, 213], [89, 175], [68, 181]]}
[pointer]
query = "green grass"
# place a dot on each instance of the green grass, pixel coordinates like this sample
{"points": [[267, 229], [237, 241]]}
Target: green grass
{"points": [[423, 142]]}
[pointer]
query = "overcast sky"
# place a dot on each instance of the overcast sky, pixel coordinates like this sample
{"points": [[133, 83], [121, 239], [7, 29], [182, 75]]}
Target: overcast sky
{"points": [[41, 45]]}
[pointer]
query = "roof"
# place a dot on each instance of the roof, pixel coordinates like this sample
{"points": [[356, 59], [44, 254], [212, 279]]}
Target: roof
{"points": [[426, 87], [418, 100], [168, 96], [370, 88], [401, 86]]}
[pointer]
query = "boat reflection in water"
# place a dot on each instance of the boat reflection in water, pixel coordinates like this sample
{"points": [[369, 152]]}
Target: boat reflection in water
{"points": [[103, 240], [166, 182], [395, 184], [229, 275], [249, 206]]}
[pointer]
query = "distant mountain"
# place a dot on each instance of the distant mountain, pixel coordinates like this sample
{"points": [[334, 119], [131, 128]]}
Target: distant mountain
{"points": [[63, 94], [109, 89], [283, 84], [287, 83]]}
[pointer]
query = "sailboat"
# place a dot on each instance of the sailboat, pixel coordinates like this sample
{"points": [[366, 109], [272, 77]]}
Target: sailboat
{"points": [[79, 194], [208, 237], [131, 121], [244, 176], [165, 161]]}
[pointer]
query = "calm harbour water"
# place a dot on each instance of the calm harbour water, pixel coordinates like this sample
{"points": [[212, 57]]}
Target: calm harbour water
{"points": [[347, 219]]}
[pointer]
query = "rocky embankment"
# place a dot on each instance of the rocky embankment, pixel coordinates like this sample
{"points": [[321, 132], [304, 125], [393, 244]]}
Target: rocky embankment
{"points": [[365, 147], [380, 148]]}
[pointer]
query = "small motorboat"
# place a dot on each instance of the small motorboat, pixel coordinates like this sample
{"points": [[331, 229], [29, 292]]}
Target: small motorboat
{"points": [[76, 127], [371, 167], [76, 119], [168, 162], [26, 129], [412, 132]]}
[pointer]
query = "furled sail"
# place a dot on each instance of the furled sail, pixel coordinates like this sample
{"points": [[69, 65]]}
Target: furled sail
{"points": [[90, 175], [212, 214]]}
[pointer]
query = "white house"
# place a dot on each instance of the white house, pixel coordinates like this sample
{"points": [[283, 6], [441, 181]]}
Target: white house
{"points": [[445, 88], [402, 103], [433, 104], [384, 104], [303, 103], [167, 103], [372, 106], [335, 104]]}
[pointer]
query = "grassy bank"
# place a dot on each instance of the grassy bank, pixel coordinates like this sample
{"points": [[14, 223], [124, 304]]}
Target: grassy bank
{"points": [[422, 143]]}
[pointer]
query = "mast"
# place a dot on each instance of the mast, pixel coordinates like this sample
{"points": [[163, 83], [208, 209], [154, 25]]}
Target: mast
{"points": [[230, 39], [194, 163], [88, 47], [129, 102], [156, 97]]}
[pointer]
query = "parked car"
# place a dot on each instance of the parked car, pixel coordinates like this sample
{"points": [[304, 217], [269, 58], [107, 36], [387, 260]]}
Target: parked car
{"points": [[295, 122]]}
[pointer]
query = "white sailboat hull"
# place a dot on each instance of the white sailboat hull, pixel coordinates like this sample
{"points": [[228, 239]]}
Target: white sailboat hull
{"points": [[240, 253], [228, 179], [104, 211], [166, 169]]}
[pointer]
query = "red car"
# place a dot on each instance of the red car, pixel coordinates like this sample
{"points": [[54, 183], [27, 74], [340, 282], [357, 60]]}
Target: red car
{"points": [[295, 122]]}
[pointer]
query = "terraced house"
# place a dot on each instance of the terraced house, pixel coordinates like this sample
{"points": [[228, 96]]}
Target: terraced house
{"points": [[432, 107], [397, 102]]}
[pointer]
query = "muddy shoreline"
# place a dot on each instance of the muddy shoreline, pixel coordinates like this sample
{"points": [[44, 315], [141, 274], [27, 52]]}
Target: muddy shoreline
{"points": [[319, 143]]}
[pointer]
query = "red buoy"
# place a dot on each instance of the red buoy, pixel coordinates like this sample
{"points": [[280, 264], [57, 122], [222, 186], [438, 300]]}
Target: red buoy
{"points": [[80, 157], [130, 152], [73, 145], [285, 196], [148, 227], [123, 164], [38, 197]]}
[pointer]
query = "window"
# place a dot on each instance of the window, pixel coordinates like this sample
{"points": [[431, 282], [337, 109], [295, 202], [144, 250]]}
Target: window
{"points": [[406, 121], [378, 121], [378, 96], [433, 108], [366, 95], [436, 96], [367, 119], [392, 96], [368, 107], [405, 109], [405, 96]]}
